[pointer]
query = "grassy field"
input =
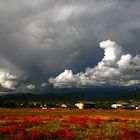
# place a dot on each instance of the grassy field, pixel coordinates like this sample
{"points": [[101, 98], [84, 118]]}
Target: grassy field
{"points": [[55, 124]]}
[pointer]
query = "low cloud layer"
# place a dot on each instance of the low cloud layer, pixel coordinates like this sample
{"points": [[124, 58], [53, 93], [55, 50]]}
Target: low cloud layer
{"points": [[117, 68]]}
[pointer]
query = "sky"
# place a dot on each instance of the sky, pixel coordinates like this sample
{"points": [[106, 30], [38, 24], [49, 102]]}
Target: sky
{"points": [[69, 43]]}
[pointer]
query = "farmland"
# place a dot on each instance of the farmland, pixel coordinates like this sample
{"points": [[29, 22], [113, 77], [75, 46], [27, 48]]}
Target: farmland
{"points": [[87, 124]]}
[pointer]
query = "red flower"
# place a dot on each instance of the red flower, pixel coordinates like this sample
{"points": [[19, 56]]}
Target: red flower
{"points": [[2, 116], [21, 133], [8, 129], [73, 119], [5, 130], [131, 134], [92, 139], [62, 134], [96, 121], [33, 134]]}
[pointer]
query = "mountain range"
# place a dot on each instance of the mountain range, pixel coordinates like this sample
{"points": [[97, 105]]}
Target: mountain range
{"points": [[77, 95]]}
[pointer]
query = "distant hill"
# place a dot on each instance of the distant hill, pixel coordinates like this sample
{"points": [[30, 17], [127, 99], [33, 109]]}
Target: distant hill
{"points": [[73, 96]]}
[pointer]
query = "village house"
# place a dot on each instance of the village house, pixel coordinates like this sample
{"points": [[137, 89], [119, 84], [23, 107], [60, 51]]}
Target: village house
{"points": [[84, 105], [126, 105]]}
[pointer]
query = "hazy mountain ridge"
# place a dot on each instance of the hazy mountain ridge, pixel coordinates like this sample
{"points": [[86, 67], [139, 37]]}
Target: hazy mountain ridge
{"points": [[73, 96]]}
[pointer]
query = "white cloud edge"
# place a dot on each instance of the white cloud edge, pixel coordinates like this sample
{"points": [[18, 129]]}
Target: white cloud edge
{"points": [[7, 80], [30, 86]]}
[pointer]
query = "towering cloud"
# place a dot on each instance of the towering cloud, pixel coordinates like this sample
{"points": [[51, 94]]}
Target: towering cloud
{"points": [[116, 68]]}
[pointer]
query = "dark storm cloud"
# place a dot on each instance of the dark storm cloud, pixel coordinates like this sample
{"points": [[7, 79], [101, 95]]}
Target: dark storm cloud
{"points": [[41, 38]]}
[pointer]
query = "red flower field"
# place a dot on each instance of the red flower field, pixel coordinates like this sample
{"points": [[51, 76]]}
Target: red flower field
{"points": [[37, 124]]}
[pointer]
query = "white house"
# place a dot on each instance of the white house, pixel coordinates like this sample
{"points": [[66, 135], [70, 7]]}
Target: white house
{"points": [[64, 105], [116, 106], [82, 105]]}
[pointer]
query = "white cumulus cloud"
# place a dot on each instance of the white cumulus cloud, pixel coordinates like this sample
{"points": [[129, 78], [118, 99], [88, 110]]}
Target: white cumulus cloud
{"points": [[117, 68], [7, 80], [44, 84], [30, 87]]}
